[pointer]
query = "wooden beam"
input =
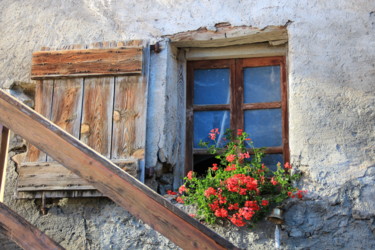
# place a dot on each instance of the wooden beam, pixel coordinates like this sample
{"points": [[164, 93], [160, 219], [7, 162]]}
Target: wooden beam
{"points": [[269, 150], [4, 141], [22, 232], [227, 35], [238, 51], [87, 62], [110, 180]]}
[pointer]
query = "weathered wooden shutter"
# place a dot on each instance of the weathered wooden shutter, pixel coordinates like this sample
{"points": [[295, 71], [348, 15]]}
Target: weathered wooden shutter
{"points": [[98, 94]]}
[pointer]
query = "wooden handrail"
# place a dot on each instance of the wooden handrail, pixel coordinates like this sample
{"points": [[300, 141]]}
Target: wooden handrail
{"points": [[110, 180], [22, 232]]}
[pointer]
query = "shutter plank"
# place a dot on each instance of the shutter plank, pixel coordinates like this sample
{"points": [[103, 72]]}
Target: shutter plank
{"points": [[96, 127], [129, 117], [67, 106], [43, 102], [52, 176]]}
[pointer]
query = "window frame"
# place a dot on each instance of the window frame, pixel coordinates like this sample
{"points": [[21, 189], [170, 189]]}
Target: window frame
{"points": [[236, 107]]}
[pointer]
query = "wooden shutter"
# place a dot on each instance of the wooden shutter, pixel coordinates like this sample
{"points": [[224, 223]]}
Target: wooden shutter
{"points": [[97, 94]]}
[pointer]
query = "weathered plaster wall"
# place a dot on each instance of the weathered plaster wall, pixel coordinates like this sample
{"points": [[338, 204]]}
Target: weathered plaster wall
{"points": [[331, 106]]}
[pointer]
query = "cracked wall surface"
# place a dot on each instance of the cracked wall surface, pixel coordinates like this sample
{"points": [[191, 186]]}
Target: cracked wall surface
{"points": [[331, 88]]}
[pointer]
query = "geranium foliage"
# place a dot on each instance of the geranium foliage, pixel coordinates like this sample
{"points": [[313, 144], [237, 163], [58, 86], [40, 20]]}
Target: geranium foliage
{"points": [[240, 188]]}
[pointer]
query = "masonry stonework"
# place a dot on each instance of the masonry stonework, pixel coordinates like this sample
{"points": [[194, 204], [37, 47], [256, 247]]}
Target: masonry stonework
{"points": [[331, 87]]}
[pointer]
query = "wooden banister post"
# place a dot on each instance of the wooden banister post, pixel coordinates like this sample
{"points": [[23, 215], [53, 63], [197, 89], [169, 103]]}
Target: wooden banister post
{"points": [[4, 141]]}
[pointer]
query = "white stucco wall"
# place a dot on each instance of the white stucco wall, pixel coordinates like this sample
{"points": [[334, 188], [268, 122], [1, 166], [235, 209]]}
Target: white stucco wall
{"points": [[331, 81]]}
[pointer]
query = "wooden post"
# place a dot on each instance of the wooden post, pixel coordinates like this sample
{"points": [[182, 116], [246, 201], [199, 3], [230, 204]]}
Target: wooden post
{"points": [[22, 232], [110, 180], [4, 141]]}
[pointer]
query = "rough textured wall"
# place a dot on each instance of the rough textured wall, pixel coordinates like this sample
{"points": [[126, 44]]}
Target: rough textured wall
{"points": [[331, 101]]}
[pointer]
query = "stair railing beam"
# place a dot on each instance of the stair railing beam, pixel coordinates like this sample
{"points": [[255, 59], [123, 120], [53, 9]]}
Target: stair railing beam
{"points": [[110, 180]]}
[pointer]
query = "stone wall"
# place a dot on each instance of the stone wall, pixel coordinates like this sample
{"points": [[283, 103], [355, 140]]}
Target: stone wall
{"points": [[331, 82]]}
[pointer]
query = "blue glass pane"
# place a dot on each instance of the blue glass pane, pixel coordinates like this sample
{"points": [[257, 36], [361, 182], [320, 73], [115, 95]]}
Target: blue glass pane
{"points": [[270, 160], [264, 127], [262, 84], [204, 121], [211, 86]]}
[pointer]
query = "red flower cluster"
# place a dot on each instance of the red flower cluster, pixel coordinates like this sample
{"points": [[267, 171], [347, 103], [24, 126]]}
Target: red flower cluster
{"points": [[214, 205], [221, 212], [253, 205], [241, 181], [299, 194], [182, 189], [265, 203], [244, 155], [190, 175], [233, 206], [213, 133], [246, 212], [273, 181], [230, 167], [239, 190], [170, 192], [209, 191], [237, 220], [287, 166], [231, 158], [214, 167]]}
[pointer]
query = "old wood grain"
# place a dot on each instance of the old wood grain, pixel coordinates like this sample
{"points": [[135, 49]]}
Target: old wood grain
{"points": [[52, 176], [43, 104], [59, 194], [227, 35], [96, 125], [113, 182], [87, 62], [67, 105], [22, 232], [129, 116]]}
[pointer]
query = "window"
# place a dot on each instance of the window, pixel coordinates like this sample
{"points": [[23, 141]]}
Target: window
{"points": [[248, 94]]}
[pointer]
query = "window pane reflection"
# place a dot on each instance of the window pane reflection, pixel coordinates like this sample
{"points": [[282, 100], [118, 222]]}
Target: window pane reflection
{"points": [[262, 84], [264, 127], [204, 121], [211, 86], [270, 160]]}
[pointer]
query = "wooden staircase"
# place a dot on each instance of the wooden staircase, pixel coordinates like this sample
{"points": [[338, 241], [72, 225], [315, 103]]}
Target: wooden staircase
{"points": [[113, 182]]}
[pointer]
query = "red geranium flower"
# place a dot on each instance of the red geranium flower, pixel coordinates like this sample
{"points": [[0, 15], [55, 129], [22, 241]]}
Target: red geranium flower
{"points": [[231, 158], [233, 206], [265, 202], [287, 166], [214, 167], [214, 206], [209, 191], [273, 181], [179, 199], [246, 212], [230, 168], [237, 220], [170, 192], [182, 189], [221, 212], [190, 175]]}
